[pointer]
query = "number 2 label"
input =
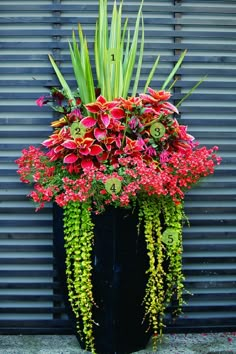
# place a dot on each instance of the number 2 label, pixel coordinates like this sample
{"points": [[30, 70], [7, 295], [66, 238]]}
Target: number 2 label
{"points": [[77, 130]]}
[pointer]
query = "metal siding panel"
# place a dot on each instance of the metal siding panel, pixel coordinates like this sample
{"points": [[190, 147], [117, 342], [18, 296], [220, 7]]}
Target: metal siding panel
{"points": [[29, 294], [210, 242]]}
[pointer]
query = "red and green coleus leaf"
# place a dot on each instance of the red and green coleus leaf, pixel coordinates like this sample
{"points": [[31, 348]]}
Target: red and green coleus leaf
{"points": [[133, 145], [100, 134], [101, 105], [159, 95], [69, 144], [105, 119], [87, 163], [95, 150], [70, 158], [58, 149], [103, 157], [88, 122], [52, 141], [80, 143], [169, 106], [85, 150], [117, 113]]}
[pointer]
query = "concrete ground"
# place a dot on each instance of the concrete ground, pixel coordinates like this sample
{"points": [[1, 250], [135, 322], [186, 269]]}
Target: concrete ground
{"points": [[219, 343]]}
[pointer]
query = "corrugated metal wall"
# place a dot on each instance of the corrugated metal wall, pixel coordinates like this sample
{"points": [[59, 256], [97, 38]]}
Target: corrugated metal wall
{"points": [[30, 300]]}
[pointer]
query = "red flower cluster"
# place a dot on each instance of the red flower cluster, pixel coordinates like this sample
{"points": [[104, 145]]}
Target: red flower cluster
{"points": [[114, 152]]}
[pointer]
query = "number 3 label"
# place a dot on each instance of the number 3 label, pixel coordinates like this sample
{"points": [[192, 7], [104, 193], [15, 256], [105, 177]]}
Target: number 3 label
{"points": [[113, 185], [157, 130], [170, 236]]}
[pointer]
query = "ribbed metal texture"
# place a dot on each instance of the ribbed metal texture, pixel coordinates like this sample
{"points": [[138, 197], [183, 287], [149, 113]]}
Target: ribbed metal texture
{"points": [[208, 31], [29, 292]]}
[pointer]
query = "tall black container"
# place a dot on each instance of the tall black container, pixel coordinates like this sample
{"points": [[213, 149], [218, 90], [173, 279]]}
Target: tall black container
{"points": [[119, 279]]}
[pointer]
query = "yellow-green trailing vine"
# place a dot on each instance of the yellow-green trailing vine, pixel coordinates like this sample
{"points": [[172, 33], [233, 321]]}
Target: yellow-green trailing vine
{"points": [[161, 215], [78, 234]]}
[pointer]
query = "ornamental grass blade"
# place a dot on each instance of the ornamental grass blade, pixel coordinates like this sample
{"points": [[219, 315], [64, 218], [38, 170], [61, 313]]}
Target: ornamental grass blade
{"points": [[106, 79], [113, 51], [191, 91], [126, 55], [78, 70], [152, 72], [137, 76], [174, 70], [118, 84], [101, 44], [96, 53], [172, 85], [132, 55], [85, 59], [62, 81], [82, 67]]}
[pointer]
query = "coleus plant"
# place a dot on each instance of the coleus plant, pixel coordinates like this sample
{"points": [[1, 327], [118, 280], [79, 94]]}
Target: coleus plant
{"points": [[117, 146], [132, 144]]}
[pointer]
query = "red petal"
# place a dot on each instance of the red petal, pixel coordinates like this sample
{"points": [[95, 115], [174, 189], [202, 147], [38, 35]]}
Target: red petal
{"points": [[105, 119], [117, 113], [101, 99], [70, 158], [151, 91], [100, 134], [103, 156], [118, 142], [171, 107], [96, 150], [59, 148], [88, 122], [48, 142], [93, 107], [146, 97], [84, 151], [111, 104], [69, 144], [118, 152], [87, 142], [108, 147], [86, 163]]}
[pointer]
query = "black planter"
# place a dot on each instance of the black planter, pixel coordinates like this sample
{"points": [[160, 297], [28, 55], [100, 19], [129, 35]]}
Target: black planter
{"points": [[119, 279]]}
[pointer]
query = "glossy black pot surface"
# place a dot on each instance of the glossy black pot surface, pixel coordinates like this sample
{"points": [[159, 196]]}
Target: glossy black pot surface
{"points": [[119, 279]]}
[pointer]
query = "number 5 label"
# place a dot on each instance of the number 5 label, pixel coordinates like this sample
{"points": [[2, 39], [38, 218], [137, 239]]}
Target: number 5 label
{"points": [[170, 236]]}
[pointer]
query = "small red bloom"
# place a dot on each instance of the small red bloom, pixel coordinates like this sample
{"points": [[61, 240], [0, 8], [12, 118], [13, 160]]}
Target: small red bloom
{"points": [[42, 101]]}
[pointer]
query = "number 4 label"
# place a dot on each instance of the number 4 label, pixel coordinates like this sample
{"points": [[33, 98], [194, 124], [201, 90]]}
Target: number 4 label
{"points": [[113, 185]]}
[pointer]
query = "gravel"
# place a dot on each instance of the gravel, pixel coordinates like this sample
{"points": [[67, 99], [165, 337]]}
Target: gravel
{"points": [[204, 343]]}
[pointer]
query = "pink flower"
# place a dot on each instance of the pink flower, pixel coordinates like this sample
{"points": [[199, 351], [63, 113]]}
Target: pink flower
{"points": [[164, 156], [42, 101]]}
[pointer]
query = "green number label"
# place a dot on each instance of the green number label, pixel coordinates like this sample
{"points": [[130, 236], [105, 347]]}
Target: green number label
{"points": [[77, 130], [112, 54], [157, 130], [170, 236], [113, 185]]}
